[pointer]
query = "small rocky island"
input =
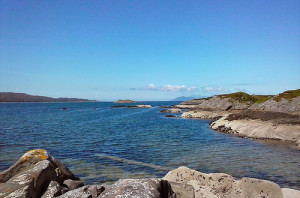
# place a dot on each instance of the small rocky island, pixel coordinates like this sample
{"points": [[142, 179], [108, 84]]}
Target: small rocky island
{"points": [[133, 106], [254, 116], [38, 174], [125, 101]]}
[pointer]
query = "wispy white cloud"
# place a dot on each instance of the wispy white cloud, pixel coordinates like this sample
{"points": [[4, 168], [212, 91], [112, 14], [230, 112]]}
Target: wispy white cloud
{"points": [[209, 91], [171, 88]]}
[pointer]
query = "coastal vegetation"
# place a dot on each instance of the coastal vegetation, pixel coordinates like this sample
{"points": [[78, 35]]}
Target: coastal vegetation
{"points": [[288, 95], [243, 97]]}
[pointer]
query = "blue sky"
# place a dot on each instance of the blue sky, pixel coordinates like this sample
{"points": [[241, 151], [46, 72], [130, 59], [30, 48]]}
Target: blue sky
{"points": [[149, 50]]}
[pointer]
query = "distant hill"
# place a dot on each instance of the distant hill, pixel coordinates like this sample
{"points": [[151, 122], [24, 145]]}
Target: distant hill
{"points": [[185, 98], [22, 97]]}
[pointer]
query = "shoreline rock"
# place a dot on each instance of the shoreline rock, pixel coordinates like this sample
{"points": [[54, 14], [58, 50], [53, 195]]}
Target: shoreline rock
{"points": [[173, 110], [41, 178]]}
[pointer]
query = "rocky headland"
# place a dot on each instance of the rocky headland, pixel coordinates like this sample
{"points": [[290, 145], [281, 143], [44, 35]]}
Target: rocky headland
{"points": [[38, 174], [254, 116]]}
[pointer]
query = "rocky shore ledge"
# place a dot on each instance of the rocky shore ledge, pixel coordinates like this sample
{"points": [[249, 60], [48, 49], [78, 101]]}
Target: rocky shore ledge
{"points": [[38, 174], [254, 116]]}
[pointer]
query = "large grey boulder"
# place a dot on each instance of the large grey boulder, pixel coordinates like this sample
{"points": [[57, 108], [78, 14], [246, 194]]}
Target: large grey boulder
{"points": [[73, 184], [217, 185], [29, 160], [92, 191], [138, 188], [30, 183], [54, 189], [34, 174]]}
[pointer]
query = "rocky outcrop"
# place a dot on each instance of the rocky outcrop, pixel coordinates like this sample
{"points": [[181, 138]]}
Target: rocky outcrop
{"points": [[254, 116], [214, 103], [124, 101], [146, 188], [174, 110], [209, 115], [31, 175], [37, 174], [216, 185], [291, 106], [258, 129]]}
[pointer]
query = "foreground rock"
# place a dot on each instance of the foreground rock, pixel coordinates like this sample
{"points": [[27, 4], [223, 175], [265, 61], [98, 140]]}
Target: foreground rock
{"points": [[222, 185], [124, 101], [31, 175], [37, 174]]}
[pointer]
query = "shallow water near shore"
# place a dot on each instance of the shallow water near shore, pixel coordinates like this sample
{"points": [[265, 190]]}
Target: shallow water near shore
{"points": [[83, 132]]}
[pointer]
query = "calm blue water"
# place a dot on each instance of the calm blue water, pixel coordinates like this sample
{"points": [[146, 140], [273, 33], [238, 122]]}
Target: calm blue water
{"points": [[76, 135]]}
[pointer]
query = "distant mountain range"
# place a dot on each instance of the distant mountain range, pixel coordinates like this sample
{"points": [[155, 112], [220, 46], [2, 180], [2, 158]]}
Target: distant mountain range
{"points": [[185, 98], [22, 97]]}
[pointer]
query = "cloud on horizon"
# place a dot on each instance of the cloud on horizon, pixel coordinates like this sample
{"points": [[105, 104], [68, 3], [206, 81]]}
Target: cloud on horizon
{"points": [[171, 88]]}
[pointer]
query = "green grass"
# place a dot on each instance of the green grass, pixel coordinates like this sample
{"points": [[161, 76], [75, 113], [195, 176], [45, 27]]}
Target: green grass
{"points": [[243, 97], [288, 95]]}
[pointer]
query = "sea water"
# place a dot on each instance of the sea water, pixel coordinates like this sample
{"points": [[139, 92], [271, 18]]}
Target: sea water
{"points": [[78, 134]]}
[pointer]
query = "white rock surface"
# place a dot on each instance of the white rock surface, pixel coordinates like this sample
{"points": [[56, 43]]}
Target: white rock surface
{"points": [[258, 129]]}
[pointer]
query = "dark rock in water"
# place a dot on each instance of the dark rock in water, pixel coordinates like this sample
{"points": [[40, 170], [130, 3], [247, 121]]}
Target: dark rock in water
{"points": [[171, 116], [119, 106], [73, 184]]}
